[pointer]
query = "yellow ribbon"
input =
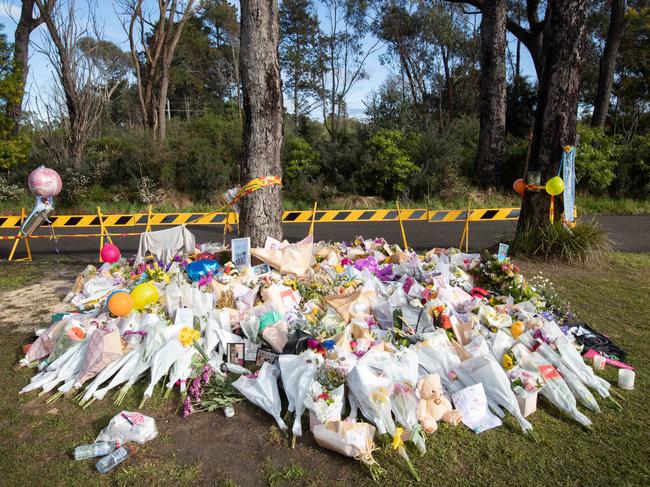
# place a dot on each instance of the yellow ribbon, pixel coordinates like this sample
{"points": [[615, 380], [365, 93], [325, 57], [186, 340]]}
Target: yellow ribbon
{"points": [[248, 188]]}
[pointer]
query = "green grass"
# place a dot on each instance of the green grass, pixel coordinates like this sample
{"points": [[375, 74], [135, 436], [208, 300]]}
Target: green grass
{"points": [[587, 204], [277, 477], [35, 446], [18, 274]]}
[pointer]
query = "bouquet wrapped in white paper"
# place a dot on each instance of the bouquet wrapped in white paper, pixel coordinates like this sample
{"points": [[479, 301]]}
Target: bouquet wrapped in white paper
{"points": [[324, 404], [497, 386], [262, 390], [436, 355], [556, 390], [404, 405], [298, 373], [579, 390], [372, 394]]}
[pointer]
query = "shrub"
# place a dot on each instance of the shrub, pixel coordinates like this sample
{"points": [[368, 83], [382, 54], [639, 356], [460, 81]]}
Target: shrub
{"points": [[450, 150], [11, 192], [633, 169], [596, 158], [586, 242], [300, 160], [387, 167]]}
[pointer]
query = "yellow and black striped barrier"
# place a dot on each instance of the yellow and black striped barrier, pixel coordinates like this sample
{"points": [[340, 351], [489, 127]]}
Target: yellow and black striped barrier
{"points": [[122, 223], [297, 216]]}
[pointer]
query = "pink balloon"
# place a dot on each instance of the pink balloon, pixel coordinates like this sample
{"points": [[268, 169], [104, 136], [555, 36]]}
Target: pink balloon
{"points": [[110, 253], [45, 182]]}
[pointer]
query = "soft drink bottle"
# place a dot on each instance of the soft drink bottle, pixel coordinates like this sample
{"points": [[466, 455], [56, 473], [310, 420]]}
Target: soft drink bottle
{"points": [[109, 462], [98, 449]]}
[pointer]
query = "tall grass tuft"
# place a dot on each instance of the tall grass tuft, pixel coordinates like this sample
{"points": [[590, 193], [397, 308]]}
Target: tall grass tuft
{"points": [[585, 243]]}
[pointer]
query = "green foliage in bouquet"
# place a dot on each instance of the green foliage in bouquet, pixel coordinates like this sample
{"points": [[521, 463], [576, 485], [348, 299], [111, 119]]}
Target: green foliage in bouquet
{"points": [[503, 278]]}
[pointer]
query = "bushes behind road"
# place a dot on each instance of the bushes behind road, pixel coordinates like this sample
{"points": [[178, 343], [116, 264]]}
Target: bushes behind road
{"points": [[199, 160]]}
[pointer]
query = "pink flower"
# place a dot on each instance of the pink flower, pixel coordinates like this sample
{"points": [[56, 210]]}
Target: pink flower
{"points": [[187, 407], [408, 284]]}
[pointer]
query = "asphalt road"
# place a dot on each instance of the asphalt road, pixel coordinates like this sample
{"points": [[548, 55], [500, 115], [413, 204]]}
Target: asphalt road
{"points": [[630, 233]]}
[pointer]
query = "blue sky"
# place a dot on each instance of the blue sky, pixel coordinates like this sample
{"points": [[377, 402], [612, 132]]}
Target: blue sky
{"points": [[41, 75]]}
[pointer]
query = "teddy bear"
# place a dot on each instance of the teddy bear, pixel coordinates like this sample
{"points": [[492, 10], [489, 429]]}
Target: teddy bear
{"points": [[433, 405]]}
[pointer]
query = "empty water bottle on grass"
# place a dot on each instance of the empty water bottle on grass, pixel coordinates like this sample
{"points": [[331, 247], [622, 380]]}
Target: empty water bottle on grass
{"points": [[98, 449], [111, 461]]}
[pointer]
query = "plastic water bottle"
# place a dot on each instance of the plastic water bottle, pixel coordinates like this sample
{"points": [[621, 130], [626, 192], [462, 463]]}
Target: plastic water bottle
{"points": [[98, 449], [111, 461]]}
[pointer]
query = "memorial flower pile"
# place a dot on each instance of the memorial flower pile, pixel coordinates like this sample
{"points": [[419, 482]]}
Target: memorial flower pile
{"points": [[345, 331]]}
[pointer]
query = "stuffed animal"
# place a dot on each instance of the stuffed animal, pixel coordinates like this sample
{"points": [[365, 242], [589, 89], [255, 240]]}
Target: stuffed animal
{"points": [[433, 405]]}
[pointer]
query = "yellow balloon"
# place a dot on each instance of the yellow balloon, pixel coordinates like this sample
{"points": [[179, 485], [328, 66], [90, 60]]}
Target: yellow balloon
{"points": [[143, 295], [555, 186]]}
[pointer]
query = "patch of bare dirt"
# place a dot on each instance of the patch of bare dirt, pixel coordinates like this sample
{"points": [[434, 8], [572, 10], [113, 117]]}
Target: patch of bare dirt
{"points": [[30, 307], [247, 447]]}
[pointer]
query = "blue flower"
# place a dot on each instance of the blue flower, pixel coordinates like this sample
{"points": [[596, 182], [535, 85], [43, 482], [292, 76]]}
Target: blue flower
{"points": [[328, 344], [548, 315]]}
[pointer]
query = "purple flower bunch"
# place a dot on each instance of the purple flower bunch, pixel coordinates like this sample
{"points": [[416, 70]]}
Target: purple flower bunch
{"points": [[195, 390], [369, 263]]}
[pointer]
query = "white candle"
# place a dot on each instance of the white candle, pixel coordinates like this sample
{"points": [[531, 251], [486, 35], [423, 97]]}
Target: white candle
{"points": [[626, 379], [599, 362]]}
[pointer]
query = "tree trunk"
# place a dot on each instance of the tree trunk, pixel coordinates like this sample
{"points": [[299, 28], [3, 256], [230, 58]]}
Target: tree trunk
{"points": [[26, 24], [295, 103], [261, 211], [448, 87], [617, 25], [162, 105], [518, 60], [557, 104], [489, 159]]}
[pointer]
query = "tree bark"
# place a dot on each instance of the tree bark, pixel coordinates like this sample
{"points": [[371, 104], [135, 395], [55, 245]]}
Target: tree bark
{"points": [[157, 49], [557, 105], [64, 39], [26, 24], [617, 25], [261, 211], [532, 37], [491, 144]]}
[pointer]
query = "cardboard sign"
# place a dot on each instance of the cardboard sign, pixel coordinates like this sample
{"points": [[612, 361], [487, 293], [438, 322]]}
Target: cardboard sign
{"points": [[548, 372]]}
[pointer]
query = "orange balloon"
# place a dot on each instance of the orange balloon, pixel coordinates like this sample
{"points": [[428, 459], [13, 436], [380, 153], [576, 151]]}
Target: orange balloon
{"points": [[519, 186], [120, 304]]}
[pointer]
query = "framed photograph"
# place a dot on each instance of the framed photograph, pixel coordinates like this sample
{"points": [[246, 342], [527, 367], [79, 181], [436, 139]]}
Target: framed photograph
{"points": [[250, 351], [241, 252], [236, 353], [265, 356], [261, 270]]}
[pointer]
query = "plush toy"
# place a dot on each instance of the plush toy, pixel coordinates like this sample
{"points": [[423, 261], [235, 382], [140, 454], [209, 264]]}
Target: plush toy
{"points": [[433, 405]]}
